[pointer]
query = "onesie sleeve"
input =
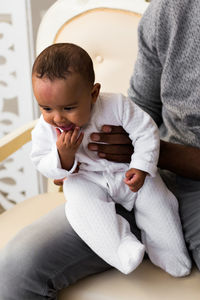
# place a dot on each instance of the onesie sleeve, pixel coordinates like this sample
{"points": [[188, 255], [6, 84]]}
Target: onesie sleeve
{"points": [[44, 154], [144, 135]]}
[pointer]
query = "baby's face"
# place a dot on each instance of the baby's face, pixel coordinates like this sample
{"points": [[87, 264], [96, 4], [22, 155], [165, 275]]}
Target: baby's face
{"points": [[65, 103]]}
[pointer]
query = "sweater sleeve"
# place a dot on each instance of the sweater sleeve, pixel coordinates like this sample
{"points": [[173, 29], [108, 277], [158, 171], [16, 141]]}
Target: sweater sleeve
{"points": [[144, 135], [44, 154], [144, 87]]}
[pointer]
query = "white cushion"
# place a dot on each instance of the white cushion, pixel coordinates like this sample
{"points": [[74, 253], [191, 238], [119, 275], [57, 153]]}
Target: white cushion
{"points": [[112, 47]]}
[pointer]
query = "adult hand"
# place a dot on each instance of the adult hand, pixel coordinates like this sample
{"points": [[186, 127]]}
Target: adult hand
{"points": [[117, 145]]}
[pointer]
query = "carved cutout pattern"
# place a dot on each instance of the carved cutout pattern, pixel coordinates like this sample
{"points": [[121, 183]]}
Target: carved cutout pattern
{"points": [[18, 179]]}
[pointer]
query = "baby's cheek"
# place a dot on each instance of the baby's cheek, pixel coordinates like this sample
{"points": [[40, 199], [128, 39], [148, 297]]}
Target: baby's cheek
{"points": [[82, 120], [47, 118]]}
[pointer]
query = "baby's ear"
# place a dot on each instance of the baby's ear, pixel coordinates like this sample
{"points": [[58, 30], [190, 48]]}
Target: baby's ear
{"points": [[95, 92]]}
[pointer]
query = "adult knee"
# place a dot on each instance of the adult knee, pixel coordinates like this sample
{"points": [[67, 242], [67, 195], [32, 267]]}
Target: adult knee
{"points": [[18, 269], [194, 247]]}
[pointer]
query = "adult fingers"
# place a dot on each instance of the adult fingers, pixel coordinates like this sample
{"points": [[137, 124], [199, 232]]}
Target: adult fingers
{"points": [[122, 158], [110, 138], [113, 129], [113, 149]]}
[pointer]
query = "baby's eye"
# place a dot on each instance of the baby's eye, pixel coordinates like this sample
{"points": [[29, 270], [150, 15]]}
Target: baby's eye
{"points": [[46, 108], [68, 108]]}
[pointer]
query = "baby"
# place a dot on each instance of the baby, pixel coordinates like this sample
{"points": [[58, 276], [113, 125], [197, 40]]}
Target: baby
{"points": [[72, 109]]}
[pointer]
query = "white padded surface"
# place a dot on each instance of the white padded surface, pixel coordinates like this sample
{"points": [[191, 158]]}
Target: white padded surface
{"points": [[25, 213], [147, 282], [106, 29], [112, 44]]}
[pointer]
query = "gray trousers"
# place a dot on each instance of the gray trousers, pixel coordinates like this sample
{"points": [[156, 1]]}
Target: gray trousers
{"points": [[48, 255]]}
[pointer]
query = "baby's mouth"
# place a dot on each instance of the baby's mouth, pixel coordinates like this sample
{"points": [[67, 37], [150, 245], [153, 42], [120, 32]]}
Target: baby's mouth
{"points": [[67, 128]]}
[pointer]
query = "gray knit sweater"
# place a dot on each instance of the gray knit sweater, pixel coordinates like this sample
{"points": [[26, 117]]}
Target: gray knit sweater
{"points": [[166, 78]]}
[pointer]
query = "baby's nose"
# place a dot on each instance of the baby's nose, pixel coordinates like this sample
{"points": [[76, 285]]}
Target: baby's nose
{"points": [[58, 117]]}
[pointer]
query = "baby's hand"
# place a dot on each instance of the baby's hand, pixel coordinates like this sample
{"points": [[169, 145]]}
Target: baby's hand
{"points": [[67, 144], [134, 178], [59, 181]]}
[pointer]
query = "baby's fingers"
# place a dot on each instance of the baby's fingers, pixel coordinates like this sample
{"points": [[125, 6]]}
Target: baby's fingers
{"points": [[134, 188], [61, 139], [67, 137], [131, 181], [75, 135], [80, 138]]}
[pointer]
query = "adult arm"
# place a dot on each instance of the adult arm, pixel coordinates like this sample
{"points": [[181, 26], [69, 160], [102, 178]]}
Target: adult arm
{"points": [[180, 159], [145, 87], [144, 90]]}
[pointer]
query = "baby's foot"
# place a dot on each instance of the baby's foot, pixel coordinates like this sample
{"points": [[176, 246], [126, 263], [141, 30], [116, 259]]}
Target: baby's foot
{"points": [[131, 253], [172, 264]]}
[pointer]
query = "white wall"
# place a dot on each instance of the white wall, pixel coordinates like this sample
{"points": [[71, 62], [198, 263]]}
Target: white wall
{"points": [[38, 8]]}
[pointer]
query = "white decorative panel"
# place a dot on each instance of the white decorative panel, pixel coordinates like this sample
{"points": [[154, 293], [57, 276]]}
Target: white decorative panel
{"points": [[18, 179]]}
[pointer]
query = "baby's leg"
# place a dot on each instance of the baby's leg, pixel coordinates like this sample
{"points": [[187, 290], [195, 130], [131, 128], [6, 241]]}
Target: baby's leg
{"points": [[156, 212], [92, 215]]}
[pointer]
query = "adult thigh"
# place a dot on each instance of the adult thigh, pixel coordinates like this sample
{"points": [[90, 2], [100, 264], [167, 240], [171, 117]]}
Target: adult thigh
{"points": [[189, 204], [43, 258], [187, 192]]}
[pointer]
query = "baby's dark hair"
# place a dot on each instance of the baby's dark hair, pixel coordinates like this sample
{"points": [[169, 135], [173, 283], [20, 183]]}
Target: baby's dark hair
{"points": [[60, 60]]}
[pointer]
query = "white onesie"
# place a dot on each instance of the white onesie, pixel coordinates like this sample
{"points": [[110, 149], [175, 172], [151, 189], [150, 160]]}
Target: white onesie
{"points": [[92, 192]]}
